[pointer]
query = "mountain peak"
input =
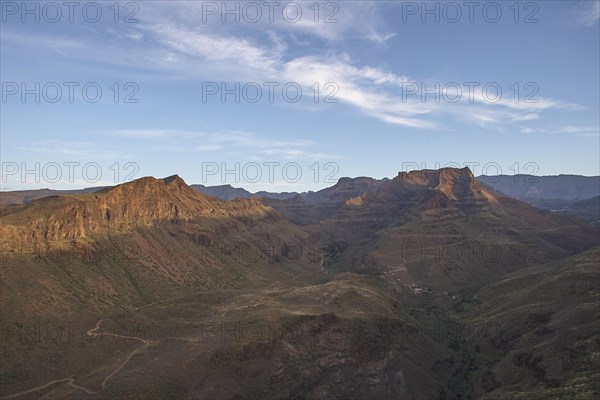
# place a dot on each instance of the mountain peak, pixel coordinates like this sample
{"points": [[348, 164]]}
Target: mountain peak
{"points": [[142, 202], [343, 180], [437, 177], [174, 179], [149, 185], [453, 184], [356, 180]]}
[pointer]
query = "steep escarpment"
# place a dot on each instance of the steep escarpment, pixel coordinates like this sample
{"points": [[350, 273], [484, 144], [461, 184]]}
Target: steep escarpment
{"points": [[434, 188], [444, 228], [141, 241], [142, 202]]}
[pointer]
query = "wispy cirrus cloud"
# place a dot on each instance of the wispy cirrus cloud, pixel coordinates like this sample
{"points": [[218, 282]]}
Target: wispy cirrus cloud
{"points": [[587, 13], [329, 21], [251, 145], [85, 150], [587, 131], [173, 40], [374, 91]]}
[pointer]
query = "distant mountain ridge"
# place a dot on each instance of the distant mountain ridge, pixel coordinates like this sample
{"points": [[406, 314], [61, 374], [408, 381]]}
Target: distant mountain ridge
{"points": [[565, 194], [25, 196], [523, 187], [556, 187], [228, 192]]}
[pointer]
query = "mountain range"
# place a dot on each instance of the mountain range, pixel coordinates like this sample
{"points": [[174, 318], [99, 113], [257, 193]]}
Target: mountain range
{"points": [[430, 285], [569, 194]]}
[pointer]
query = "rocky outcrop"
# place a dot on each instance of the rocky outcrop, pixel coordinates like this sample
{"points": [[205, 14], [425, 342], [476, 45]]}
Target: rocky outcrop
{"points": [[142, 202]]}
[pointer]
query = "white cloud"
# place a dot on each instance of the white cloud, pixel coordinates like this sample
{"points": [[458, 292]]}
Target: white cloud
{"points": [[200, 45], [78, 149], [329, 22], [144, 133], [175, 42], [586, 131], [250, 145], [524, 117], [588, 13], [580, 130]]}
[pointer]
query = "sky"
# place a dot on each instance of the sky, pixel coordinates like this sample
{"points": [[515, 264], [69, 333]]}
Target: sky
{"points": [[292, 96]]}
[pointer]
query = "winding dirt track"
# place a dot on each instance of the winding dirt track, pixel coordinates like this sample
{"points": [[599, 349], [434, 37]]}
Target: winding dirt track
{"points": [[71, 381], [93, 333]]}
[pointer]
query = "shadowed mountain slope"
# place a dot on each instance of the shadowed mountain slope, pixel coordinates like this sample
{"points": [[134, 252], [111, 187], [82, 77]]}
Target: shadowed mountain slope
{"points": [[140, 241], [164, 292], [444, 228]]}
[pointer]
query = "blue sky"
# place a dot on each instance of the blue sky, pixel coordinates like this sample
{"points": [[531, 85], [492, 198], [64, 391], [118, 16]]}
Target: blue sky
{"points": [[373, 58]]}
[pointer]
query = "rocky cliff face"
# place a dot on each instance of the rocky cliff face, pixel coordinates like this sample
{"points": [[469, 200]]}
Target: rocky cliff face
{"points": [[428, 189], [142, 202], [380, 199], [454, 183]]}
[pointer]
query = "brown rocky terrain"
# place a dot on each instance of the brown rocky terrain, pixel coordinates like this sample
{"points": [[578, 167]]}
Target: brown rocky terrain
{"points": [[444, 228], [152, 290]]}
